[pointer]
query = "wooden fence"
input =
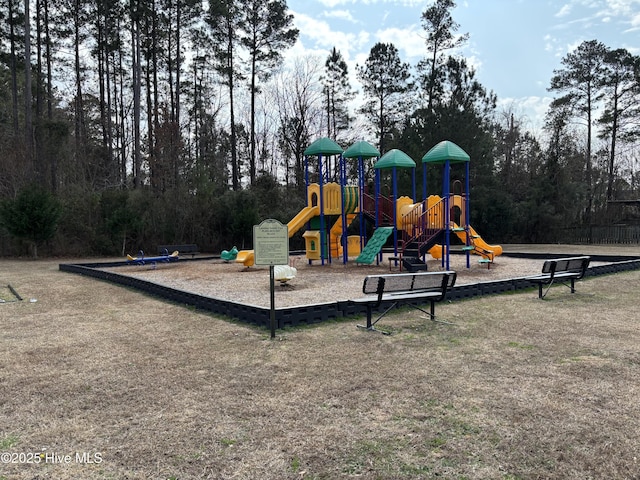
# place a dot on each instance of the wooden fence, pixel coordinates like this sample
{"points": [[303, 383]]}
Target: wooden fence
{"points": [[602, 234]]}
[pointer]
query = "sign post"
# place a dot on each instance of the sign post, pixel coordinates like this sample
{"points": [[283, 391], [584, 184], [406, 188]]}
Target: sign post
{"points": [[271, 247]]}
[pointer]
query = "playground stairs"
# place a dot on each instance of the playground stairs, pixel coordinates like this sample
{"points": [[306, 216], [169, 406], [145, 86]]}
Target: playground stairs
{"points": [[385, 209], [413, 264], [374, 245], [421, 243]]}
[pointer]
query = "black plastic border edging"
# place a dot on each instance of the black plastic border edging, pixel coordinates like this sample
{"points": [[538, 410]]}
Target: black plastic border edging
{"points": [[316, 313]]}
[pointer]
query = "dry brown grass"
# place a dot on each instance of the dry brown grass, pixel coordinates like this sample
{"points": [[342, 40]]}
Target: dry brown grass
{"points": [[519, 388]]}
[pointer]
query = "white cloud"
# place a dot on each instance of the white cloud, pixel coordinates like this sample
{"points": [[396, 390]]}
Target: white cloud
{"points": [[620, 8], [409, 41], [335, 3], [531, 110], [474, 62], [340, 15], [323, 36], [404, 3], [549, 43], [564, 11]]}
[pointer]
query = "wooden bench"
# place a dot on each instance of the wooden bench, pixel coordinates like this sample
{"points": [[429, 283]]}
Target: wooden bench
{"points": [[405, 288], [191, 248], [561, 270]]}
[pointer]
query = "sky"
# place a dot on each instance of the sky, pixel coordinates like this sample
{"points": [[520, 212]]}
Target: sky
{"points": [[514, 45]]}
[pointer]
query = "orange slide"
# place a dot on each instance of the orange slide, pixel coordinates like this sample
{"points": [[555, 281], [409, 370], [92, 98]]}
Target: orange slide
{"points": [[480, 247], [477, 244]]}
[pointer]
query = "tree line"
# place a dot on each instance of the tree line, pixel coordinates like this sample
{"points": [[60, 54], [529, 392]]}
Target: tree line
{"points": [[156, 121]]}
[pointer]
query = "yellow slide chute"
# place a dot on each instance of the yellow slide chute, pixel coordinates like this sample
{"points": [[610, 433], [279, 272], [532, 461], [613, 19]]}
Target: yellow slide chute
{"points": [[477, 245], [480, 247], [303, 216]]}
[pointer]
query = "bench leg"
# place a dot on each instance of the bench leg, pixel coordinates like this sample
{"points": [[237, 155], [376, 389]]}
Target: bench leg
{"points": [[371, 325], [368, 326], [571, 285], [431, 312], [541, 295]]}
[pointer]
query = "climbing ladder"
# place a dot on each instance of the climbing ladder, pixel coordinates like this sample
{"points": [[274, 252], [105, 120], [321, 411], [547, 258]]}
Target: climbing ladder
{"points": [[374, 245]]}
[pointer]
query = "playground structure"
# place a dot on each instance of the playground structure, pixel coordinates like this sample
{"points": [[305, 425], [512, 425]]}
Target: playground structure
{"points": [[417, 228], [140, 259], [284, 273], [229, 255]]}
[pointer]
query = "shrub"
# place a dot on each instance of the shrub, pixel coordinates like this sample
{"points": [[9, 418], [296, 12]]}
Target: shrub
{"points": [[32, 216]]}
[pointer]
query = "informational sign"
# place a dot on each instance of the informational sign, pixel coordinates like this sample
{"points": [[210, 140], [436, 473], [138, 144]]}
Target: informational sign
{"points": [[271, 243], [271, 247]]}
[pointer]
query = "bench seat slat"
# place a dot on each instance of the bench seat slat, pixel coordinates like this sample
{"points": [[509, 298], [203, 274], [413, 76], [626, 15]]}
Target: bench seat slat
{"points": [[410, 296], [555, 275], [418, 295]]}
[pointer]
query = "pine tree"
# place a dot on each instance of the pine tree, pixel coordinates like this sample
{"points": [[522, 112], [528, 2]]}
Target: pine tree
{"points": [[440, 28], [266, 31], [337, 93], [386, 82], [619, 120], [580, 82], [224, 21]]}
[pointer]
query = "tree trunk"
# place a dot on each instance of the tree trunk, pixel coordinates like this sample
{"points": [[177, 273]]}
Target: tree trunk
{"points": [[235, 171], [27, 85], [137, 72], [13, 66], [588, 169], [79, 105], [612, 153], [53, 160], [47, 43], [178, 60], [252, 147]]}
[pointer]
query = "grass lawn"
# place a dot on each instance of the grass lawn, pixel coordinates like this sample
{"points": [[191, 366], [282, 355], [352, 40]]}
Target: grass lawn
{"points": [[101, 382]]}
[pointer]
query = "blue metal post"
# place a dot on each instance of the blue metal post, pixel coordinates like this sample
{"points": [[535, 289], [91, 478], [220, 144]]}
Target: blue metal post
{"points": [[413, 183], [466, 207], [377, 198], [343, 187], [446, 195], [323, 237], [424, 181], [361, 201]]}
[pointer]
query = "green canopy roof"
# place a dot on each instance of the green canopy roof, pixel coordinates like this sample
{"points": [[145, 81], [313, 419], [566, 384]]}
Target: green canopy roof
{"points": [[444, 151], [323, 146], [395, 158], [361, 149]]}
